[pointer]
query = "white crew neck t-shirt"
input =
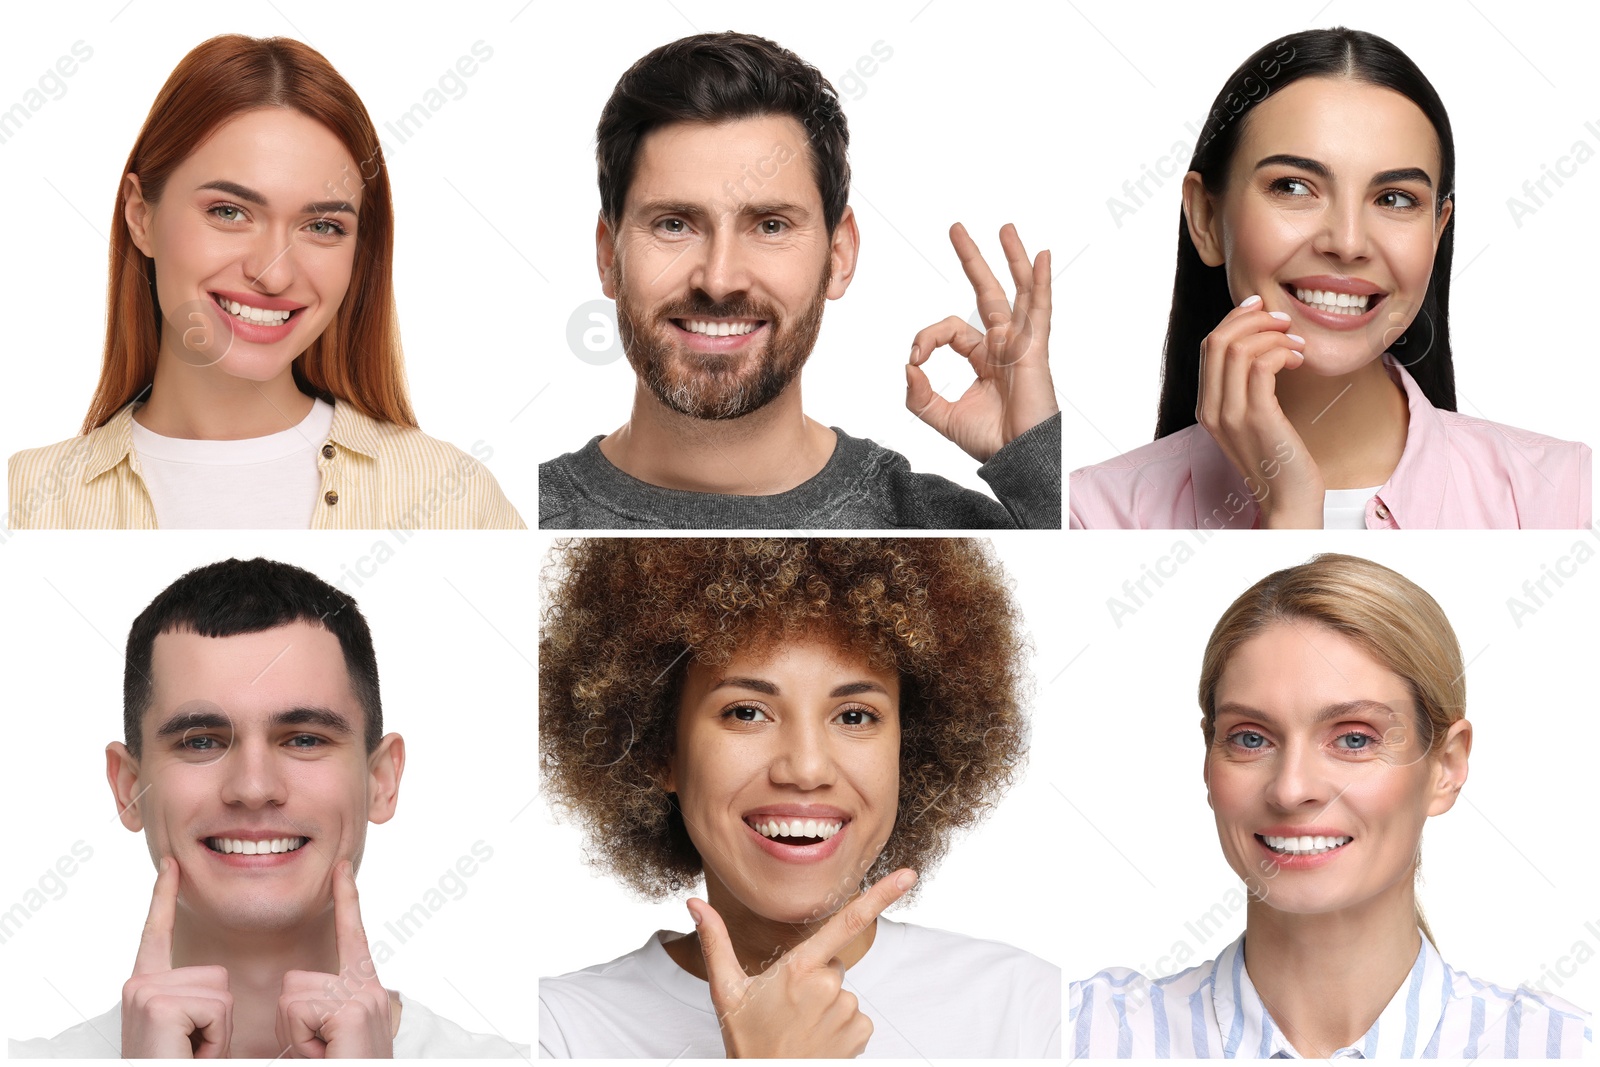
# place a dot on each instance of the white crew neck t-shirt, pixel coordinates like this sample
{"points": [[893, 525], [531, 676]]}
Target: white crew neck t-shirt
{"points": [[259, 483], [930, 994], [422, 1035], [1346, 509]]}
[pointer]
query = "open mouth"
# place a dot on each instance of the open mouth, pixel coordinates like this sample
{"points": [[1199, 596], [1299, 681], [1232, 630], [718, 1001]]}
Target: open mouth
{"points": [[1332, 303], [795, 832], [253, 315], [1305, 845], [233, 846], [719, 327]]}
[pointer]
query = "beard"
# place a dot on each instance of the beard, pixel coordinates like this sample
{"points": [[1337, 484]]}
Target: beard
{"points": [[710, 385]]}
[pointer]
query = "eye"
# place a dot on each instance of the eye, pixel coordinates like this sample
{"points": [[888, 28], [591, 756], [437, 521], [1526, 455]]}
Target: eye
{"points": [[306, 741], [222, 211], [772, 227], [1248, 740], [673, 226], [200, 743], [857, 717], [1295, 187], [329, 228], [1354, 741], [1407, 202], [746, 713]]}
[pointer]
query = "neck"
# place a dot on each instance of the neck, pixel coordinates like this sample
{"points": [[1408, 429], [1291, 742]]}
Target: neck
{"points": [[1326, 978], [256, 962], [1354, 425], [206, 404], [768, 451], [759, 941]]}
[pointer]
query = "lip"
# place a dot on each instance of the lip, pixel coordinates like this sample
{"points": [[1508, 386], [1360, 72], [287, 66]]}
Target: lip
{"points": [[250, 331], [699, 342], [270, 860], [1327, 319], [1300, 863], [798, 853]]}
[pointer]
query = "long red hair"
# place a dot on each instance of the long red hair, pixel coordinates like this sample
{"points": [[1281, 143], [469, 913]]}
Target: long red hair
{"points": [[357, 360]]}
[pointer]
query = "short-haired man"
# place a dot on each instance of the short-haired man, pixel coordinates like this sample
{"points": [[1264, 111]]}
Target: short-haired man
{"points": [[720, 284], [254, 757]]}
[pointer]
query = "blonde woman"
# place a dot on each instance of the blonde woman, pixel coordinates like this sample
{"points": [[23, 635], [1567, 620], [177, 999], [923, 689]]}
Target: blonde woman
{"points": [[1333, 707]]}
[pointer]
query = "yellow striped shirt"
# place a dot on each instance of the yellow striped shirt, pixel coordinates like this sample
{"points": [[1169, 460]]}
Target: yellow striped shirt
{"points": [[375, 475]]}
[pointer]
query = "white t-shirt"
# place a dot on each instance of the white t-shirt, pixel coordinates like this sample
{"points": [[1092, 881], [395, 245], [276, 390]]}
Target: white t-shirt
{"points": [[1346, 509], [929, 994], [422, 1034], [259, 483]]}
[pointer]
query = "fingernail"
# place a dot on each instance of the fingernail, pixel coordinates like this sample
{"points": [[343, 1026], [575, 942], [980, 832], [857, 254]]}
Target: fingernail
{"points": [[906, 880], [1296, 338], [913, 353], [1250, 301], [1302, 356], [695, 915], [1279, 315], [162, 869]]}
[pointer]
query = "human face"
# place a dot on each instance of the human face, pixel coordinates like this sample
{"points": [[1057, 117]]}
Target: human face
{"points": [[1331, 191], [721, 264], [1315, 738], [787, 771], [255, 737], [261, 215]]}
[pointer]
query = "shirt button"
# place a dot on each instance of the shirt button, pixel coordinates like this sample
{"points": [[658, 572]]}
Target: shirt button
{"points": [[1382, 512], [327, 451], [330, 498]]}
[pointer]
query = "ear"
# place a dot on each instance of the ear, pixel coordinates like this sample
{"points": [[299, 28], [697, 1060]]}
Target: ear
{"points": [[843, 248], [605, 257], [122, 772], [136, 212], [1205, 777], [1450, 767], [384, 768], [1445, 211], [1201, 215]]}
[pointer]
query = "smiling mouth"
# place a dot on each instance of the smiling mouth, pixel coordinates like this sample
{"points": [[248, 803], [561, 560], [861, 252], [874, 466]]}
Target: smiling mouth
{"points": [[796, 832], [719, 328], [1332, 303], [233, 846], [1304, 845], [254, 316]]}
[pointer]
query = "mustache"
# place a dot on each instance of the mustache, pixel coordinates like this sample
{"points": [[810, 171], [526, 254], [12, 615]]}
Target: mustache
{"points": [[700, 305]]}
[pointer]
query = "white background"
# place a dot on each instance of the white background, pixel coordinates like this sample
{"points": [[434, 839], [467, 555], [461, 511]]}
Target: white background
{"points": [[455, 640], [1508, 880], [1006, 880], [1518, 82]]}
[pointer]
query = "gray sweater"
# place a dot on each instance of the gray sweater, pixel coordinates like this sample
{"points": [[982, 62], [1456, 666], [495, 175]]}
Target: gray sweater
{"points": [[864, 486]]}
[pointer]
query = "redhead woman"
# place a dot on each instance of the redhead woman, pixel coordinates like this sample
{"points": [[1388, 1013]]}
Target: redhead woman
{"points": [[1308, 379], [252, 373], [805, 726], [1332, 698]]}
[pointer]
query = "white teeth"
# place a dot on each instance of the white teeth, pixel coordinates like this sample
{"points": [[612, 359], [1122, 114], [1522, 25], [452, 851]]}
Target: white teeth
{"points": [[237, 846], [1304, 845], [259, 316], [1336, 303], [819, 828], [719, 329]]}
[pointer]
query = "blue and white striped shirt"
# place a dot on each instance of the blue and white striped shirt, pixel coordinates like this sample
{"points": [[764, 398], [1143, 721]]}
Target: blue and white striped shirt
{"points": [[1213, 1011]]}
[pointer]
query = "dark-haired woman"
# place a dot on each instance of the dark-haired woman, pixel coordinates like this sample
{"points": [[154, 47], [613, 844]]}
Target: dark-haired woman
{"points": [[1308, 379], [805, 725]]}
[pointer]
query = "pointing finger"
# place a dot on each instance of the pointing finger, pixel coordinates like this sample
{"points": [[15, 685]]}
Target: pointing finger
{"points": [[991, 297], [155, 944], [854, 918], [350, 937]]}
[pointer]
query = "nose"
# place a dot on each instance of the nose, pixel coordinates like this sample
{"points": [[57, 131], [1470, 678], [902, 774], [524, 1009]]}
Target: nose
{"points": [[269, 260], [1342, 229], [804, 759], [721, 266], [251, 775], [1298, 779]]}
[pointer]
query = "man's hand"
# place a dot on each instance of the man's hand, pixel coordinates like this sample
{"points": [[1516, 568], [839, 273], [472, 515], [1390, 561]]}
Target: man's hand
{"points": [[797, 1007], [1011, 357], [167, 1013], [345, 1015]]}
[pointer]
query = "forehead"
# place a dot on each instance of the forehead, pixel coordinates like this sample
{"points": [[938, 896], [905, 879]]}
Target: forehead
{"points": [[797, 665], [251, 676], [1350, 125], [290, 157], [763, 158], [1295, 669]]}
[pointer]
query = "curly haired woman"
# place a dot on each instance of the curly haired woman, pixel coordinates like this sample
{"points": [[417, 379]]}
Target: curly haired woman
{"points": [[804, 724]]}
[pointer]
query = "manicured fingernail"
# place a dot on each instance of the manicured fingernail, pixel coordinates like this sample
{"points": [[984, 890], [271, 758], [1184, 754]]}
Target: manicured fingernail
{"points": [[1296, 338], [1302, 356], [1250, 301], [1279, 315], [906, 880]]}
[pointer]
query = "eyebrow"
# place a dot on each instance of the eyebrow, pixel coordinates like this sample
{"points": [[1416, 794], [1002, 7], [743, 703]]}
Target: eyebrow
{"points": [[1345, 709], [748, 208], [761, 685], [1312, 166], [326, 718], [245, 193]]}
